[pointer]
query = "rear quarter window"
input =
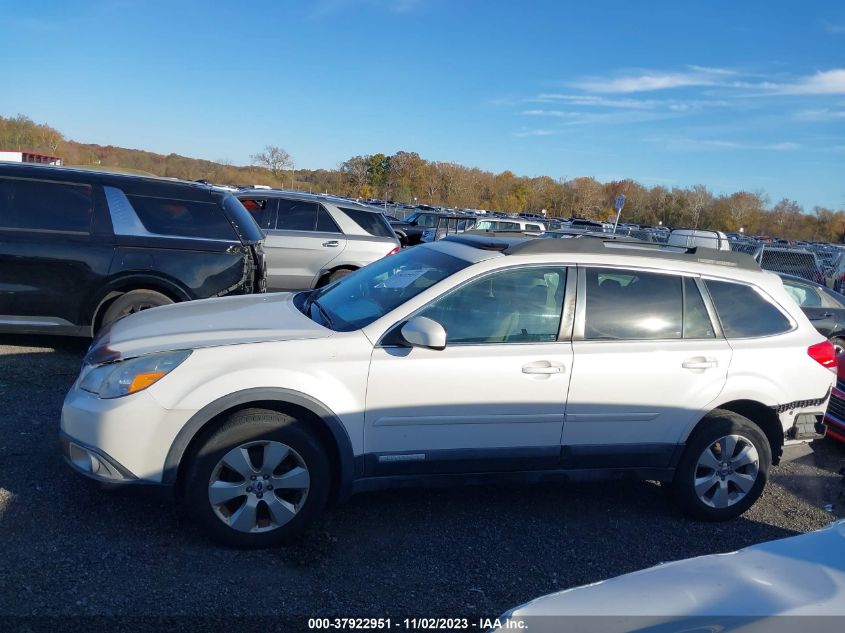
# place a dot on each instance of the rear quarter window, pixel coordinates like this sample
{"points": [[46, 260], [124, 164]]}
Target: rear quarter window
{"points": [[744, 312], [372, 222], [183, 218]]}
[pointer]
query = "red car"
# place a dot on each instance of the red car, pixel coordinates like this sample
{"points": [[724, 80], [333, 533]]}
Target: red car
{"points": [[835, 416]]}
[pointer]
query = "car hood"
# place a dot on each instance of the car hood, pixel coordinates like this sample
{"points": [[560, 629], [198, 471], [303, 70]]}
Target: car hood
{"points": [[205, 323], [800, 575]]}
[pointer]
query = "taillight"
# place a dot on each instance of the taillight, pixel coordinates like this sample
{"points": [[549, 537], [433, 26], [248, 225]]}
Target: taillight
{"points": [[823, 354], [394, 251]]}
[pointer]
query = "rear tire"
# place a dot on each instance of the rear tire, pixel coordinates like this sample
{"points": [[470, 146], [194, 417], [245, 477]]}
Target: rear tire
{"points": [[134, 301], [259, 480], [723, 469], [340, 273], [838, 344]]}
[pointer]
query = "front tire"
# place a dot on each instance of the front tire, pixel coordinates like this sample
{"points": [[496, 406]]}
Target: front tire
{"points": [[259, 480], [723, 469]]}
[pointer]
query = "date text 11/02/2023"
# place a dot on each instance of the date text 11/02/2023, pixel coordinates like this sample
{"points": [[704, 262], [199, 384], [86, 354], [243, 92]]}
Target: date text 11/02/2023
{"points": [[424, 624]]}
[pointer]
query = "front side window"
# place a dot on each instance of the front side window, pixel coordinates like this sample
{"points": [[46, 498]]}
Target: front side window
{"points": [[422, 219], [511, 306], [744, 312], [633, 305], [369, 293], [182, 218], [37, 205], [296, 215]]}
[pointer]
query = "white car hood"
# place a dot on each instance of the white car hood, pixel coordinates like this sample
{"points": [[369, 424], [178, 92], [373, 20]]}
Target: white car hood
{"points": [[205, 323], [800, 575]]}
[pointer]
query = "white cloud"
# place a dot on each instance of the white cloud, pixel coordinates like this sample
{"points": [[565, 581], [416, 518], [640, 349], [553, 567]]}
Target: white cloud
{"points": [[645, 83], [595, 101], [828, 82], [824, 114], [692, 145], [538, 132]]}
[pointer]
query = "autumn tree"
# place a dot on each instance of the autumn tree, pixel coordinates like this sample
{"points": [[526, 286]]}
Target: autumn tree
{"points": [[274, 159]]}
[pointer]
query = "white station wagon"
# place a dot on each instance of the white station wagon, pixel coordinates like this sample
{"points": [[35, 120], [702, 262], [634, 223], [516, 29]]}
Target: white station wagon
{"points": [[469, 359]]}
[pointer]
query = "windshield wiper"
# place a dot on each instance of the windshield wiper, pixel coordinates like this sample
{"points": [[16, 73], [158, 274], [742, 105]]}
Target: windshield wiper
{"points": [[323, 313]]}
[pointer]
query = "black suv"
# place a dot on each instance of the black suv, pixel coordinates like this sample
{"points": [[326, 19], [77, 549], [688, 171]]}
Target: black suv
{"points": [[79, 249], [411, 229]]}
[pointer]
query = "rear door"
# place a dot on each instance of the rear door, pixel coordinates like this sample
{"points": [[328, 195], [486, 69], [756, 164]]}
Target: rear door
{"points": [[648, 361], [301, 242], [52, 256]]}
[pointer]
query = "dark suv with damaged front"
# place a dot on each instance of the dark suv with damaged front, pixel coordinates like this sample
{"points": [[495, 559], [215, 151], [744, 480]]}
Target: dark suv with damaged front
{"points": [[80, 249]]}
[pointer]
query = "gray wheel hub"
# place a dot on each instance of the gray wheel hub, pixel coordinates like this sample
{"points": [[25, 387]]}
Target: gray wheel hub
{"points": [[258, 486], [726, 471]]}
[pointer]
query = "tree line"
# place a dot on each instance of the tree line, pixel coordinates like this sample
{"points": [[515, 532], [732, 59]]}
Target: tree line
{"points": [[405, 177]]}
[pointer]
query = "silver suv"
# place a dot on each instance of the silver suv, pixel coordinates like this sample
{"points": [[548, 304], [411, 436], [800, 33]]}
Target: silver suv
{"points": [[313, 240]]}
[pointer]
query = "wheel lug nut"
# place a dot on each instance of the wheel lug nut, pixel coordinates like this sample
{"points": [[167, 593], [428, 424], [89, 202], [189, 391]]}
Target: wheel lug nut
{"points": [[252, 477], [249, 488], [259, 495], [266, 476], [269, 486]]}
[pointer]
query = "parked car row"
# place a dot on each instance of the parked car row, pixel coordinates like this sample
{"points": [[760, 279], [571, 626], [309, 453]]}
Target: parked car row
{"points": [[80, 249]]}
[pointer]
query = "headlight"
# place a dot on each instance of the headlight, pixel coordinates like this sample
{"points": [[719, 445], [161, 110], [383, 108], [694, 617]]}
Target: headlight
{"points": [[129, 376]]}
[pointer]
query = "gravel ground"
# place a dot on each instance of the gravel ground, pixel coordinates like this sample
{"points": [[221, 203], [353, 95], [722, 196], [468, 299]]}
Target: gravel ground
{"points": [[71, 548]]}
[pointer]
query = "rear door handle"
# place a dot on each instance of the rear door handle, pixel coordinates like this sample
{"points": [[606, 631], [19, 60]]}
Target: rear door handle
{"points": [[331, 243], [699, 362], [543, 367]]}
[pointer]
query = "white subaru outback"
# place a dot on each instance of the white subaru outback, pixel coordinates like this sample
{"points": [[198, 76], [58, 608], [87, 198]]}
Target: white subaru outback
{"points": [[472, 358]]}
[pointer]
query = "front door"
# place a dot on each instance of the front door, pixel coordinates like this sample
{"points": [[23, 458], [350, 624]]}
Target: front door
{"points": [[494, 398]]}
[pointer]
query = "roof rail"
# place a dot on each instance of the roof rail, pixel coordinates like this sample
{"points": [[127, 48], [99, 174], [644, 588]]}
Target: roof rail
{"points": [[519, 243]]}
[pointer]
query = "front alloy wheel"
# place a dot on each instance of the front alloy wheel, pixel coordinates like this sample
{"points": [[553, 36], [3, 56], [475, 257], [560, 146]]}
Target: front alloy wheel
{"points": [[259, 486], [258, 480]]}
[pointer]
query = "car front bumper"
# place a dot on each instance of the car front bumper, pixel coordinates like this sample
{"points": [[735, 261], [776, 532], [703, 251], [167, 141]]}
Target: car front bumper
{"points": [[119, 440]]}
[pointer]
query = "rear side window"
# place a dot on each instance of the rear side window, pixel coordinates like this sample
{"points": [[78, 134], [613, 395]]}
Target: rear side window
{"points": [[325, 223], [744, 312], [633, 305], [182, 218], [372, 222], [37, 205], [697, 322], [296, 215]]}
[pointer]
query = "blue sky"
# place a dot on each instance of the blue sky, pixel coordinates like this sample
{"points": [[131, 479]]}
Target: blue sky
{"points": [[732, 95]]}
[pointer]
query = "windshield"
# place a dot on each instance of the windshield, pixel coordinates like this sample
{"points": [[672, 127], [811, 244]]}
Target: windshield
{"points": [[368, 294]]}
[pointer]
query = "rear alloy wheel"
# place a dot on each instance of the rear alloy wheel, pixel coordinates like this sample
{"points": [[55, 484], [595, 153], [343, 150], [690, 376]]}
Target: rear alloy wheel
{"points": [[257, 481], [724, 467], [338, 274], [838, 344], [134, 301]]}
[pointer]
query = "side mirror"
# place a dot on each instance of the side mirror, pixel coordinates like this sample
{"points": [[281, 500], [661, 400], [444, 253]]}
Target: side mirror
{"points": [[424, 332]]}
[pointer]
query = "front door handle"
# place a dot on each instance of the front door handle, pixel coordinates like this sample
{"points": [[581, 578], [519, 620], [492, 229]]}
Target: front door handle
{"points": [[543, 367], [819, 317], [700, 362], [331, 244]]}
